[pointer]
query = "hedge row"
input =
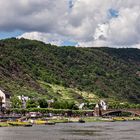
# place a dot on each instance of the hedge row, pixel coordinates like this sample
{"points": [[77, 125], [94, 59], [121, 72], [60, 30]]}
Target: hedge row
{"points": [[49, 110]]}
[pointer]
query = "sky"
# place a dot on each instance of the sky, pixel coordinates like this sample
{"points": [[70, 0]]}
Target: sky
{"points": [[81, 23]]}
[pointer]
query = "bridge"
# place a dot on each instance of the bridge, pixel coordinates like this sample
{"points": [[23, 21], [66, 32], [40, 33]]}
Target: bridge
{"points": [[135, 112]]}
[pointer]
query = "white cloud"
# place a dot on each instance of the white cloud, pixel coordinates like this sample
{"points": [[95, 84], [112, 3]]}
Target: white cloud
{"points": [[45, 37], [120, 31], [88, 22]]}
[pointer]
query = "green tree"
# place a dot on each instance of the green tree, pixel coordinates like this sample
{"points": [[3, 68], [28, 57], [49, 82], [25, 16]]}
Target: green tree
{"points": [[15, 102], [64, 105], [32, 104], [43, 103]]}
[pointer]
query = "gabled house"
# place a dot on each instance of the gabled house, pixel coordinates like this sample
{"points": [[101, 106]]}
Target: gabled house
{"points": [[24, 100], [4, 99]]}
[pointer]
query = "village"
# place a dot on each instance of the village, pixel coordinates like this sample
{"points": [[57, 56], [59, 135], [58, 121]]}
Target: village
{"points": [[48, 115], [6, 103]]}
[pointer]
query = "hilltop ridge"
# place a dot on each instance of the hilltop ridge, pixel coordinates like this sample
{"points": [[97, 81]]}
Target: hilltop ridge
{"points": [[34, 68]]}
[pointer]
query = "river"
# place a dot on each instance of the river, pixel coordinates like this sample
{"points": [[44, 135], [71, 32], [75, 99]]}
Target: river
{"points": [[75, 131]]}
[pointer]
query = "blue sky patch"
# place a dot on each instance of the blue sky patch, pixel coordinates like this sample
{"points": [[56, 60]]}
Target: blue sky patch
{"points": [[69, 43], [16, 33], [113, 13]]}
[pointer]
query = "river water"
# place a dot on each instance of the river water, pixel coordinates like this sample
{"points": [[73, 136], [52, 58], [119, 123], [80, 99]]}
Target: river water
{"points": [[74, 131]]}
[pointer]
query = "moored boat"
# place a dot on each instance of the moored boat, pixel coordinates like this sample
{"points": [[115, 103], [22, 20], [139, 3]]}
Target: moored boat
{"points": [[19, 123], [28, 125], [50, 123], [81, 121]]}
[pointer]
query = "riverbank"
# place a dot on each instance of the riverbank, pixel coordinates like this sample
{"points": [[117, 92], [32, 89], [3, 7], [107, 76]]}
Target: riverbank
{"points": [[4, 124], [48, 121], [95, 119]]}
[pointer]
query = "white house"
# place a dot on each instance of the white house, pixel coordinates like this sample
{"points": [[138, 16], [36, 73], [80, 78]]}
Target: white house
{"points": [[81, 105], [2, 98], [103, 104], [24, 100]]}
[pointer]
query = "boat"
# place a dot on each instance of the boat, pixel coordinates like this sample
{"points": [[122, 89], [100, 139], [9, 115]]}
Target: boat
{"points": [[50, 123], [20, 124], [81, 121], [119, 119], [28, 125], [39, 122]]}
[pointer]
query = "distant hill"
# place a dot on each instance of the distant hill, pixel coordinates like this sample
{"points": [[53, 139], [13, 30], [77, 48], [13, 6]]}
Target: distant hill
{"points": [[35, 69]]}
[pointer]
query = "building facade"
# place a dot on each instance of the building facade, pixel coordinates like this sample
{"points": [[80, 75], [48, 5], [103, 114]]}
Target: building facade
{"points": [[4, 100]]}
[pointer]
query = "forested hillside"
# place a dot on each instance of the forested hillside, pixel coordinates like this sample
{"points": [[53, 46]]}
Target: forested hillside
{"points": [[35, 69]]}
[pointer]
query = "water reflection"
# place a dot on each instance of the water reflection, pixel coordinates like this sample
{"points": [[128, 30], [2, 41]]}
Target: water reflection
{"points": [[75, 131], [83, 132]]}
